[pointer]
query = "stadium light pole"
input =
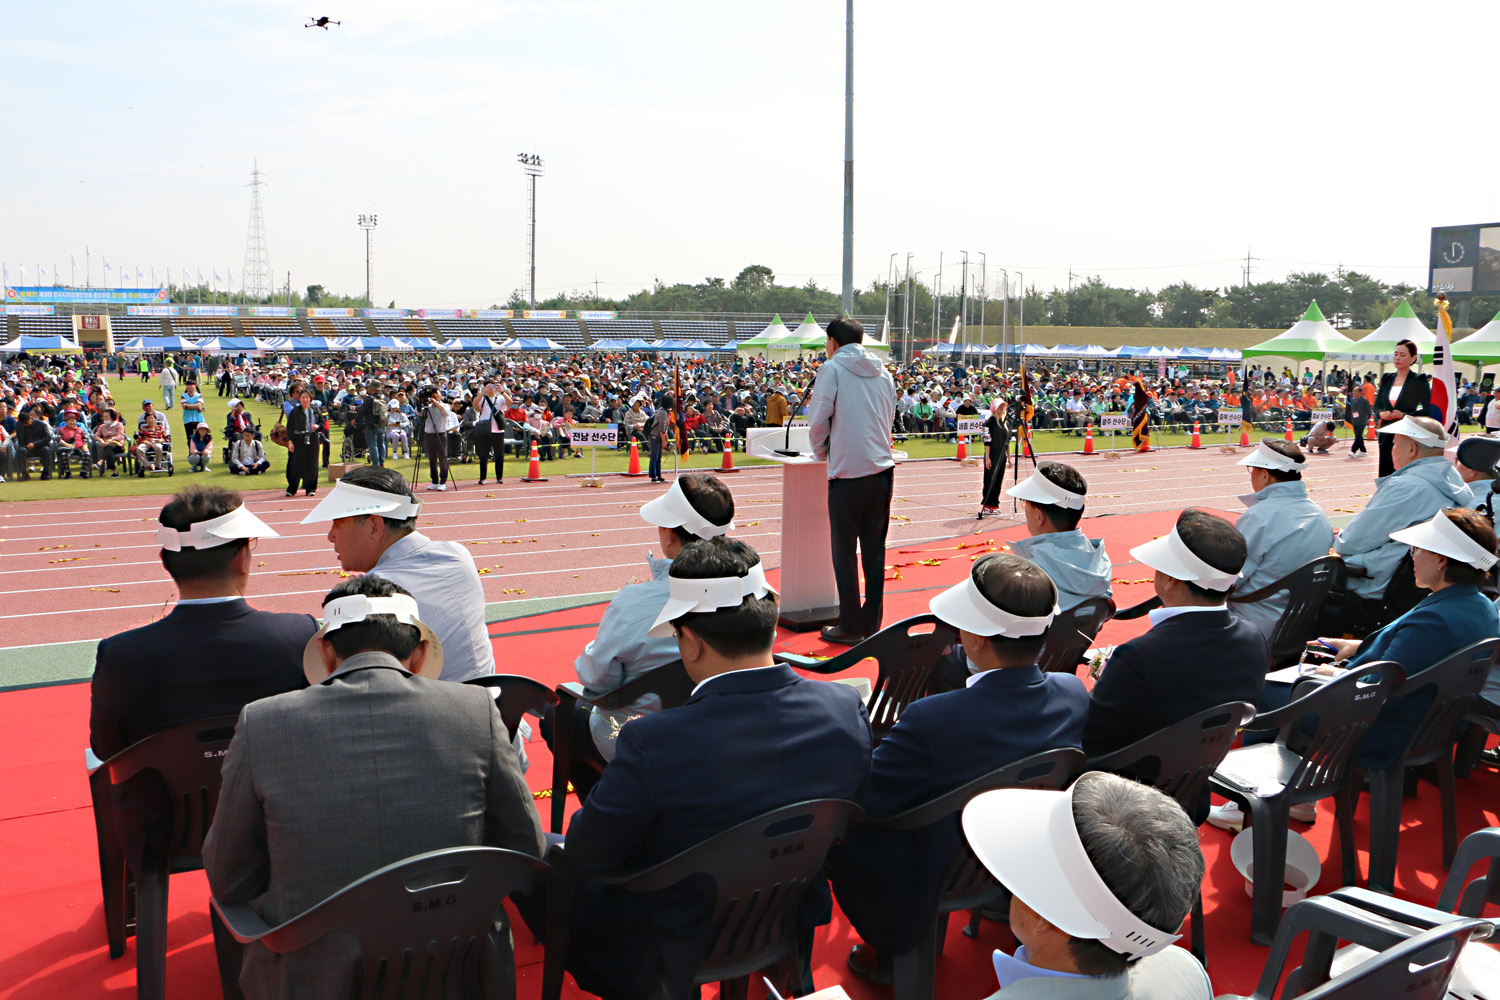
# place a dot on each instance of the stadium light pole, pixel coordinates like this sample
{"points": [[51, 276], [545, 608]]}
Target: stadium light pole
{"points": [[848, 296], [367, 223], [531, 164]]}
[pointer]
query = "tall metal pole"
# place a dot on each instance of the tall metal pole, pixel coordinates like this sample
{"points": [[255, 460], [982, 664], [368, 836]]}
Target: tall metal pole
{"points": [[531, 163], [1021, 312], [963, 304], [984, 293], [848, 298], [367, 223]]}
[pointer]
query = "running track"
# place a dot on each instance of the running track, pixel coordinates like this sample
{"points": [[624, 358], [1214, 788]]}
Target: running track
{"points": [[85, 569]]}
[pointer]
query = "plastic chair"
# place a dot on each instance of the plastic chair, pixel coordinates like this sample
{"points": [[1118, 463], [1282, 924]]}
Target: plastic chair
{"points": [[421, 925], [187, 758], [967, 884], [908, 663], [1417, 949], [1138, 610], [1178, 761], [1306, 588], [669, 682], [760, 870], [1267, 779], [519, 696], [1470, 900], [1072, 633], [1455, 682]]}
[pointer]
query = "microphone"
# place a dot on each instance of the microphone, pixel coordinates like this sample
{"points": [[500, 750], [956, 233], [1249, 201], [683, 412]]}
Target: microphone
{"points": [[788, 450]]}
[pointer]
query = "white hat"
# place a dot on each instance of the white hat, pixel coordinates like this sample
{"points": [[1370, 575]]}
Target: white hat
{"points": [[1040, 489], [349, 500], [1442, 536], [1264, 457], [1406, 427], [1028, 840], [1170, 555], [672, 510], [964, 607], [356, 608], [238, 523], [686, 595]]}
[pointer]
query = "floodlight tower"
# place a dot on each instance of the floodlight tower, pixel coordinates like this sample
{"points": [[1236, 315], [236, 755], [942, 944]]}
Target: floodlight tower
{"points": [[367, 223], [531, 165], [255, 276], [848, 269]]}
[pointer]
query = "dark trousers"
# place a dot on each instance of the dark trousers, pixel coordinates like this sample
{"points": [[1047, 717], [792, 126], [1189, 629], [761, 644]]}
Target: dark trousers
{"points": [[859, 512], [1358, 444], [436, 446], [302, 468], [653, 466], [994, 478], [481, 441], [1385, 442]]}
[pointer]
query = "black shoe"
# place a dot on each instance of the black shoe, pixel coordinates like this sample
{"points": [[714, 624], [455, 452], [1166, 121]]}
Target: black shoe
{"points": [[869, 963], [834, 634], [291, 493]]}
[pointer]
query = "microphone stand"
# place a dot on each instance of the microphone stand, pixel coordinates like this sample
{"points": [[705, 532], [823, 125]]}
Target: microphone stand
{"points": [[787, 450]]}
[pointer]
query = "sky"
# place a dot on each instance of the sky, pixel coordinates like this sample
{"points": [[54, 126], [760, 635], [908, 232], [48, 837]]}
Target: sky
{"points": [[1145, 143]]}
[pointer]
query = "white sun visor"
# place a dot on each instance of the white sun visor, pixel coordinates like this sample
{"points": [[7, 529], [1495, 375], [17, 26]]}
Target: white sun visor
{"points": [[1442, 536], [356, 608], [348, 500], [238, 523], [1170, 555], [672, 510], [964, 607], [1040, 489], [1029, 842], [1407, 427], [686, 596], [1268, 458]]}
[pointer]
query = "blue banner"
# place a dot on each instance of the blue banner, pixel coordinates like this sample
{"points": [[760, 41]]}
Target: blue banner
{"points": [[56, 293]]}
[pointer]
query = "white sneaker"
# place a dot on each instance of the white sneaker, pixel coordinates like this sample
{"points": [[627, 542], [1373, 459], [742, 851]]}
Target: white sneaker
{"points": [[1304, 812], [441, 487], [433, 486], [1227, 817]]}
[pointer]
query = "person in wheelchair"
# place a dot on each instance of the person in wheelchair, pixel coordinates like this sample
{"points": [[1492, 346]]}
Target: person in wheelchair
{"points": [[238, 421], [72, 444], [152, 446]]}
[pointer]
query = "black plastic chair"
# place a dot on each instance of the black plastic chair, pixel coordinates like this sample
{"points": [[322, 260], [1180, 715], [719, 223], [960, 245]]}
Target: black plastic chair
{"points": [[1071, 634], [519, 696], [1417, 949], [187, 758], [1470, 899], [909, 664], [1402, 593], [1138, 610], [1455, 682], [421, 925], [1306, 588], [967, 884], [669, 682], [1305, 766], [760, 870], [1178, 761]]}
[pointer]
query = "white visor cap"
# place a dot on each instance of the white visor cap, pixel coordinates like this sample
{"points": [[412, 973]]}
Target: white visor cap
{"points": [[237, 524], [348, 500], [356, 608], [672, 510], [1029, 842], [1442, 536], [1169, 554], [1040, 489], [687, 596], [1407, 427], [964, 607], [1269, 458]]}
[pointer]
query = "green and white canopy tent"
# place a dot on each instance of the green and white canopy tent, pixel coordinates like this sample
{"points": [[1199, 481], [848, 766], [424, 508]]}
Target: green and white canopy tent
{"points": [[1482, 347], [884, 343], [1378, 346], [758, 343], [809, 336], [1311, 338]]}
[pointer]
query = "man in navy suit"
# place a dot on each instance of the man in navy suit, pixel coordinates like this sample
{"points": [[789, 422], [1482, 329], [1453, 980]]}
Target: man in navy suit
{"points": [[888, 881], [1196, 655], [211, 656], [753, 737]]}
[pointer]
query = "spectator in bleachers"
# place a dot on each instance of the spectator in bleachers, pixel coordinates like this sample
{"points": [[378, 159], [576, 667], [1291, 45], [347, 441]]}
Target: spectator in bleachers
{"points": [[200, 447], [248, 457]]}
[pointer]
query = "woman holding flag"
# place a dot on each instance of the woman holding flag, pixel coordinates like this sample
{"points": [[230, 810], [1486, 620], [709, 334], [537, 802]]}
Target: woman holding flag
{"points": [[1401, 393], [1140, 414]]}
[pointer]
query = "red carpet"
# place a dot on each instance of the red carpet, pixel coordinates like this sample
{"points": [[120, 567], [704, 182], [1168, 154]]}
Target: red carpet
{"points": [[50, 914]]}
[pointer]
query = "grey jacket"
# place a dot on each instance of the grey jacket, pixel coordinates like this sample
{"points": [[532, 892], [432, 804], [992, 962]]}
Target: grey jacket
{"points": [[1411, 494], [855, 386], [1171, 974], [1078, 565], [1283, 531], [325, 785]]}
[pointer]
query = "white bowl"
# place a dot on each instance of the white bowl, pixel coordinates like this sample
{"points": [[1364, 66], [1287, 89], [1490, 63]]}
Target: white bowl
{"points": [[1303, 868]]}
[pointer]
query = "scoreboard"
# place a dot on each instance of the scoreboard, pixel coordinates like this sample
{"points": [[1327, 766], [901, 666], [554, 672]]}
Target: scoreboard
{"points": [[1465, 260]]}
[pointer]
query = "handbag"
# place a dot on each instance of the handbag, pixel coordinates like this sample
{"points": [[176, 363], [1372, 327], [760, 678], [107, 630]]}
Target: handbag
{"points": [[279, 434]]}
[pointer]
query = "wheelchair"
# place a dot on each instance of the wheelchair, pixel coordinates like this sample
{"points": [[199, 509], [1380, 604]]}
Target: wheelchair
{"points": [[354, 446], [163, 460]]}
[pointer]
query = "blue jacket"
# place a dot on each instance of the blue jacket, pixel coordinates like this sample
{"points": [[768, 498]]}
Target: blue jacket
{"points": [[1411, 494], [1442, 624], [887, 881], [743, 744], [1079, 566], [1283, 530]]}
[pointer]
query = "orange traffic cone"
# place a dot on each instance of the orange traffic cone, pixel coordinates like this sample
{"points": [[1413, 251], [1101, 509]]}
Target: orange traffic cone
{"points": [[963, 449], [1373, 436], [635, 461], [1088, 439], [1289, 430], [1197, 441], [534, 473], [728, 465], [1244, 436], [1027, 439]]}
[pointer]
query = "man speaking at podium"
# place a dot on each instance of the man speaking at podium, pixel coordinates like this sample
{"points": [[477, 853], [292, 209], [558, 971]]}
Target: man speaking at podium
{"points": [[849, 415]]}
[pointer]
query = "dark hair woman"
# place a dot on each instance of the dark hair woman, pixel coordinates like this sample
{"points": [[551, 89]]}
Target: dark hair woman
{"points": [[1402, 393]]}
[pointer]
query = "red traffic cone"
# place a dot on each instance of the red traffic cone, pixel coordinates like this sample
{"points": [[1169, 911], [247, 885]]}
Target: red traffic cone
{"points": [[1088, 439], [728, 465], [963, 449], [1289, 430], [534, 473], [1027, 439], [1373, 436], [635, 461], [1244, 436], [1197, 441]]}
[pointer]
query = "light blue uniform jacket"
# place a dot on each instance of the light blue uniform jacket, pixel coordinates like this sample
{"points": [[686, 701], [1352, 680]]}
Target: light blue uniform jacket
{"points": [[1411, 494], [1283, 530], [1078, 565]]}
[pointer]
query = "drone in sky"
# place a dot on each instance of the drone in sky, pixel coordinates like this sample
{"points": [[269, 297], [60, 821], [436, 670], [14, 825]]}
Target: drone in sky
{"points": [[321, 22]]}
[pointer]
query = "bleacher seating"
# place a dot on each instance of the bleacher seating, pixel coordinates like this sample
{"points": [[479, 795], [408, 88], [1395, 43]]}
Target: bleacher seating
{"points": [[124, 328], [200, 326], [562, 331], [47, 326], [265, 328], [393, 328], [621, 329], [714, 331], [494, 329], [349, 326]]}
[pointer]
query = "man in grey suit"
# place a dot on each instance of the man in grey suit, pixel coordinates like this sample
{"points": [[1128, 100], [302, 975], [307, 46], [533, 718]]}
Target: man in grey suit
{"points": [[375, 763], [1102, 877]]}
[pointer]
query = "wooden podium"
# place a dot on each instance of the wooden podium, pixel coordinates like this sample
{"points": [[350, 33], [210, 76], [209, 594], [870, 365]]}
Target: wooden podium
{"points": [[809, 597]]}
